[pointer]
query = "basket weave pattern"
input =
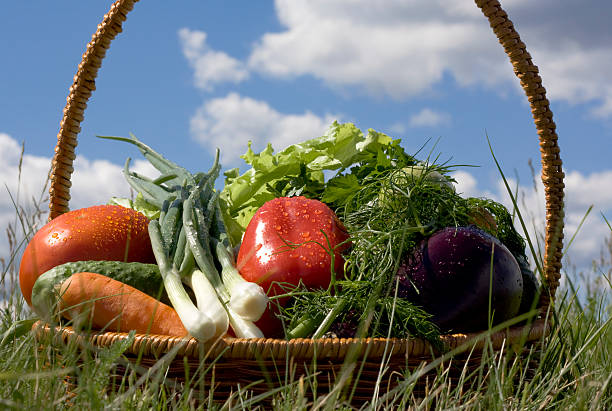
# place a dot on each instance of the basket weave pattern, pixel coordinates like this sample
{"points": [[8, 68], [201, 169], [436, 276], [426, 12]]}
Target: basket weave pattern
{"points": [[243, 351]]}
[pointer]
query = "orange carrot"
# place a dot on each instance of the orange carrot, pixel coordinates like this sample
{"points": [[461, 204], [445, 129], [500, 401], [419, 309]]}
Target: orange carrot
{"points": [[116, 306]]}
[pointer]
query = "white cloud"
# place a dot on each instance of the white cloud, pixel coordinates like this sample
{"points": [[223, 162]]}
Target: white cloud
{"points": [[397, 128], [467, 185], [230, 122], [403, 48], [581, 191], [571, 42], [96, 181], [210, 66], [23, 186], [577, 75], [393, 48], [429, 118], [93, 182]]}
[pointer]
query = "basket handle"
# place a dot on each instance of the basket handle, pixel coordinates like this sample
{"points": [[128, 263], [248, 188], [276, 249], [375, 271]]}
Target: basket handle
{"points": [[524, 69]]}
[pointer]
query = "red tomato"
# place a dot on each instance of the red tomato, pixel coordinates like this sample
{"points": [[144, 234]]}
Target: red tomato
{"points": [[266, 258], [105, 232]]}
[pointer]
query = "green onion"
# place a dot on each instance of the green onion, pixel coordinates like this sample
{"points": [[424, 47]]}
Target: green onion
{"points": [[190, 241]]}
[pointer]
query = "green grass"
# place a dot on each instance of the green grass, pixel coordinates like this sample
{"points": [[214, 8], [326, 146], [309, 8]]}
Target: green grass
{"points": [[572, 370]]}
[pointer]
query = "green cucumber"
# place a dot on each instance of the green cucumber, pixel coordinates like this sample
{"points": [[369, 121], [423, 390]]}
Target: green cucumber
{"points": [[144, 277]]}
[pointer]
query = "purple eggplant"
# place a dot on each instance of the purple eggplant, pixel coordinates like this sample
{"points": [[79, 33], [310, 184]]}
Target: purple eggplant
{"points": [[450, 276]]}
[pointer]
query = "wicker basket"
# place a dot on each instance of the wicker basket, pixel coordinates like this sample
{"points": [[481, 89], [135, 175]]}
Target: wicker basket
{"points": [[264, 363]]}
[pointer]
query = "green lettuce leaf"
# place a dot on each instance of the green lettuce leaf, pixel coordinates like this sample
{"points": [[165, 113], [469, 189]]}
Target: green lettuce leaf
{"points": [[297, 170]]}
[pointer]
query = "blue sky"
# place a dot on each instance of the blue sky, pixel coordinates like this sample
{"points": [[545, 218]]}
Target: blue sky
{"points": [[205, 74]]}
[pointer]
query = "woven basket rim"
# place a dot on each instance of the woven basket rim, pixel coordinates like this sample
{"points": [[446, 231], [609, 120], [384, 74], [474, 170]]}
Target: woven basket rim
{"points": [[301, 348], [527, 72]]}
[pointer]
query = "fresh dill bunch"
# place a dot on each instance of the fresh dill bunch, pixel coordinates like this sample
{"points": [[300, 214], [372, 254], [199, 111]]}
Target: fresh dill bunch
{"points": [[391, 316], [305, 311], [504, 229], [398, 204], [396, 211]]}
